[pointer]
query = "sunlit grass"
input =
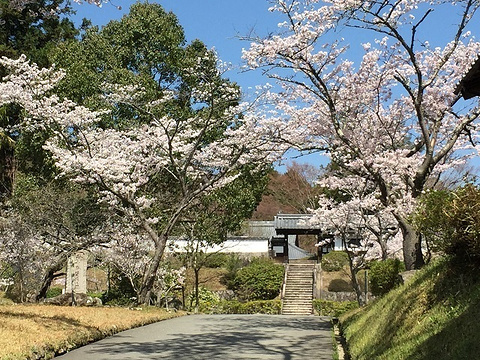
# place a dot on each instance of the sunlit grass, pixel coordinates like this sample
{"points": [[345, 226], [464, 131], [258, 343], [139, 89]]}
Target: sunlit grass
{"points": [[435, 316], [31, 331]]}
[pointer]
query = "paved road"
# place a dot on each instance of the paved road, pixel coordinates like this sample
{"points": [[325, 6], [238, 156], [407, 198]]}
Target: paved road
{"points": [[226, 337]]}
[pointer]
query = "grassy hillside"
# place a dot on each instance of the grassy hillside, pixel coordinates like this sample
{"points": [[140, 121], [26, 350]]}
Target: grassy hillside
{"points": [[436, 315]]}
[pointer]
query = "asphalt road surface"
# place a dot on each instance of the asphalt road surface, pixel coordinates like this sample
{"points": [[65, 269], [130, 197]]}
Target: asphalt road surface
{"points": [[226, 337]]}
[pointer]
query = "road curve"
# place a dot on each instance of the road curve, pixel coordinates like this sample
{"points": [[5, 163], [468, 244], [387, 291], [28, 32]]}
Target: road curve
{"points": [[226, 337]]}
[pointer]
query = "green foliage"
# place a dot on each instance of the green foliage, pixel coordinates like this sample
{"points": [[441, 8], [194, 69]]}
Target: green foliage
{"points": [[333, 308], [430, 218], [340, 285], [32, 28], [260, 280], [224, 211], [271, 307], [58, 209], [206, 299], [384, 275], [54, 291], [96, 294], [451, 222], [121, 291], [4, 300], [233, 265], [433, 316], [334, 261], [216, 260]]}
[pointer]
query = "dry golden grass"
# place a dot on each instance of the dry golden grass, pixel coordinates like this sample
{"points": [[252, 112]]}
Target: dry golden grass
{"points": [[41, 331], [209, 278]]}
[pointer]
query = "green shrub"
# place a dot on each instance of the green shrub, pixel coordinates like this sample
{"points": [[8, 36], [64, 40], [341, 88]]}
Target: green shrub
{"points": [[95, 294], [262, 279], [206, 299], [270, 307], [333, 308], [384, 275], [121, 291], [450, 222], [334, 261], [431, 219], [340, 285], [233, 264], [216, 260], [54, 291]]}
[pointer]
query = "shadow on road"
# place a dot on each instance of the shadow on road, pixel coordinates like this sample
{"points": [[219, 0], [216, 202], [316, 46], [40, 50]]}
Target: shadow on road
{"points": [[222, 337]]}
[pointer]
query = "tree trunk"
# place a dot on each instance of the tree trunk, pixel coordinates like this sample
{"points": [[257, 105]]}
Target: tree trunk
{"points": [[412, 246], [47, 281], [384, 249], [358, 291], [197, 280], [354, 279], [7, 170], [353, 275], [149, 276]]}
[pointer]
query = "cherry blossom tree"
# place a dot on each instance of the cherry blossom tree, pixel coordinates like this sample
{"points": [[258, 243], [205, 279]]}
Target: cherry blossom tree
{"points": [[23, 256], [149, 173], [364, 235], [391, 117], [20, 5]]}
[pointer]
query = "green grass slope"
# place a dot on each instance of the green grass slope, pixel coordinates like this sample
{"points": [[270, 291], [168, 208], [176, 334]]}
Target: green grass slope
{"points": [[436, 315]]}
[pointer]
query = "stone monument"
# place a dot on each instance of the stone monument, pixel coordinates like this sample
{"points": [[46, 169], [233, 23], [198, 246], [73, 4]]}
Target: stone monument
{"points": [[77, 273]]}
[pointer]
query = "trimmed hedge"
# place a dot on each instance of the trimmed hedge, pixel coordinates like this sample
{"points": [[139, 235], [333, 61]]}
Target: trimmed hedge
{"points": [[262, 279], [270, 307], [53, 292], [334, 261], [384, 275]]}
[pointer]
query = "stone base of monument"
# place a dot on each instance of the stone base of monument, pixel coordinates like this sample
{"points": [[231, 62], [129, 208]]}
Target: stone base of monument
{"points": [[77, 300]]}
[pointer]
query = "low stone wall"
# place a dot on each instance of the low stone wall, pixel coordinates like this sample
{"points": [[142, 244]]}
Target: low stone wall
{"points": [[338, 296], [341, 296]]}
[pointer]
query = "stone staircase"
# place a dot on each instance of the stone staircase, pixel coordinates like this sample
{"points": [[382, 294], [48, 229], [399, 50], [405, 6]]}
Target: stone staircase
{"points": [[298, 291]]}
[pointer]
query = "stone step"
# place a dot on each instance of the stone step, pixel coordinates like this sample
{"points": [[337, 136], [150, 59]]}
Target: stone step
{"points": [[297, 311], [294, 290], [297, 308], [300, 280], [298, 295]]}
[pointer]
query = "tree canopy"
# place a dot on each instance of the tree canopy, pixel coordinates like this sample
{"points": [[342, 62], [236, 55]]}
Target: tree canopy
{"points": [[390, 120]]}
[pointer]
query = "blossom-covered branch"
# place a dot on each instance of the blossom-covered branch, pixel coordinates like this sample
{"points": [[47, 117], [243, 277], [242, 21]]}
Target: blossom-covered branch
{"points": [[390, 116]]}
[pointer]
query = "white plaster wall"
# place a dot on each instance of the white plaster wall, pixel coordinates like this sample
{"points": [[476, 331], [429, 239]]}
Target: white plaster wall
{"points": [[231, 245]]}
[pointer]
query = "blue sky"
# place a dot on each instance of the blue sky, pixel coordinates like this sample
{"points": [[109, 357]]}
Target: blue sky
{"points": [[218, 23]]}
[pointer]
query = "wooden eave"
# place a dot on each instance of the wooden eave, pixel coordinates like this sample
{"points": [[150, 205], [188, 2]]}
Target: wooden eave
{"points": [[469, 86]]}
